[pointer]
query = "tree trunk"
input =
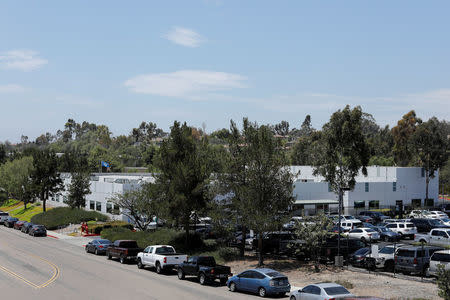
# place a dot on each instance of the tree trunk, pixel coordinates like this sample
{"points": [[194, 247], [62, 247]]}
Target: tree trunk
{"points": [[43, 201], [186, 226], [242, 246], [427, 181], [260, 249]]}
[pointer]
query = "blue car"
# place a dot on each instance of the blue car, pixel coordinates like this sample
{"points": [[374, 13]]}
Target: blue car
{"points": [[262, 281]]}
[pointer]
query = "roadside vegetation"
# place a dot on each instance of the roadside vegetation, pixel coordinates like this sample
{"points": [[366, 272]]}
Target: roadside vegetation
{"points": [[63, 216]]}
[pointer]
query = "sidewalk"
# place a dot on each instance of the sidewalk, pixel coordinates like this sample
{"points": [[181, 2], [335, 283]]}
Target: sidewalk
{"points": [[74, 240]]}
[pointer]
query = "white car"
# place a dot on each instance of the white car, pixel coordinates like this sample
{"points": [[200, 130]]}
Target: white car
{"points": [[320, 291], [439, 258], [364, 234], [385, 257], [405, 229], [436, 214], [3, 216], [162, 257], [350, 224], [424, 214]]}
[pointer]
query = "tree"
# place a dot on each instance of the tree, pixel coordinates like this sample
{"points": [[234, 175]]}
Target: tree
{"points": [[306, 128], [345, 152], [402, 134], [259, 178], [430, 145], [3, 155], [185, 174], [443, 282], [313, 231], [80, 180], [282, 128], [45, 177], [15, 179], [306, 149]]}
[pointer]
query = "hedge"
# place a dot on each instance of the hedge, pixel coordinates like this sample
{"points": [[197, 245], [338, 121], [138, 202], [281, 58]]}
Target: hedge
{"points": [[63, 216], [97, 228]]}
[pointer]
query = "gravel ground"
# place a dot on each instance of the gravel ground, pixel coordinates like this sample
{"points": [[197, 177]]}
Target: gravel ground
{"points": [[363, 284]]}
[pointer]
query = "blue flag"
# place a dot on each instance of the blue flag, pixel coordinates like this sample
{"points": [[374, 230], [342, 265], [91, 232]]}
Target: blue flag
{"points": [[105, 164]]}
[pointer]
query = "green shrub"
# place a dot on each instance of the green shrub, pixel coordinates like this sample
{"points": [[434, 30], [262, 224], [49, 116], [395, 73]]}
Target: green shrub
{"points": [[228, 254], [159, 237], [443, 282], [97, 228], [63, 216]]}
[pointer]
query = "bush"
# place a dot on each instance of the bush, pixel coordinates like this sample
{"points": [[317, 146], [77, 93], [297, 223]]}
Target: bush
{"points": [[159, 237], [63, 216], [443, 282], [97, 228], [345, 283]]}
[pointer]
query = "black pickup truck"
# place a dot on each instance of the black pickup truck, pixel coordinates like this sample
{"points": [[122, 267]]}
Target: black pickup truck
{"points": [[205, 268], [124, 250]]}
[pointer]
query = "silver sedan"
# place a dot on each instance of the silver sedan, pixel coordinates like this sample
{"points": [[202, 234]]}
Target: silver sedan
{"points": [[320, 291]]}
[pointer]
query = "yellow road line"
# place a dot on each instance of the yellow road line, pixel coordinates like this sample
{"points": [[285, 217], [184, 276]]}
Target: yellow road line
{"points": [[55, 275], [18, 277]]}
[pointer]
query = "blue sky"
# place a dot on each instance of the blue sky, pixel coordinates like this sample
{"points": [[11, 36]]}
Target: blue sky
{"points": [[208, 61]]}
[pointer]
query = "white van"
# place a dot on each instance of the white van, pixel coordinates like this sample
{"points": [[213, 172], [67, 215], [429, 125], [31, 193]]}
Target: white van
{"points": [[405, 229], [439, 258], [350, 224]]}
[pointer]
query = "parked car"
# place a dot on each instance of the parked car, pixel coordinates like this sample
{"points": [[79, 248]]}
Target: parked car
{"points": [[358, 259], [425, 225], [335, 229], [98, 246], [350, 224], [3, 216], [365, 219], [125, 250], [421, 214], [404, 229], [330, 248], [375, 215], [384, 259], [414, 259], [161, 257], [437, 237], [436, 214], [277, 242], [445, 208], [26, 227], [262, 281], [38, 230], [320, 291], [18, 225], [439, 258], [445, 221], [368, 225], [10, 221], [386, 234], [204, 268], [364, 234]]}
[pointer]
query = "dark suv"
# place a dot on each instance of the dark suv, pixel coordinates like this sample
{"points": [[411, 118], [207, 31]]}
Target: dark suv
{"points": [[10, 221], [414, 259], [425, 225]]}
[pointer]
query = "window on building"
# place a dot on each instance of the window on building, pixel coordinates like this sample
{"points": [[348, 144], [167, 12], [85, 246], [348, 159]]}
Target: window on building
{"points": [[98, 206], [394, 186], [115, 210], [109, 207], [423, 172], [329, 188], [360, 204], [374, 204], [366, 187], [416, 202], [429, 202], [92, 205]]}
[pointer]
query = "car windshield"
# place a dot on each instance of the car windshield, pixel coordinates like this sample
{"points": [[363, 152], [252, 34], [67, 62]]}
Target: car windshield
{"points": [[445, 220], [104, 242], [434, 222], [206, 261], [370, 230], [362, 251], [383, 229], [410, 225], [406, 253], [349, 217], [162, 250], [387, 250], [336, 290]]}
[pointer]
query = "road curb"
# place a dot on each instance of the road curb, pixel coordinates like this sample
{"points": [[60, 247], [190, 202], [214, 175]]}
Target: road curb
{"points": [[52, 236]]}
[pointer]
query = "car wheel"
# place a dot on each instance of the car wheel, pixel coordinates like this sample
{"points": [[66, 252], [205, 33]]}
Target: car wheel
{"points": [[232, 287], [87, 249], [180, 274], [158, 268], [108, 255], [363, 239], [292, 298], [262, 292], [122, 259], [139, 264], [389, 266], [202, 279], [96, 251]]}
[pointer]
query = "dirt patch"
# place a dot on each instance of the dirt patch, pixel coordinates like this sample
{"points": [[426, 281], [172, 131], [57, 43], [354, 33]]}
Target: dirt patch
{"points": [[301, 274]]}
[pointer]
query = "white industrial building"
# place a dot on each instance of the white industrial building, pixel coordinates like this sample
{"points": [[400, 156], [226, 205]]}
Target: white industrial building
{"points": [[383, 187]]}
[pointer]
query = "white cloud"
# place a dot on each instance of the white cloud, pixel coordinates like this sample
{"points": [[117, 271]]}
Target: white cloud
{"points": [[11, 88], [185, 37], [23, 60], [185, 83]]}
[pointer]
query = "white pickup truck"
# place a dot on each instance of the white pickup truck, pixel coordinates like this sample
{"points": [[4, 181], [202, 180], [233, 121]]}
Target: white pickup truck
{"points": [[437, 237], [161, 257]]}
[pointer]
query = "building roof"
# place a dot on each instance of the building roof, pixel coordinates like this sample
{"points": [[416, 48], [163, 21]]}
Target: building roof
{"points": [[318, 201]]}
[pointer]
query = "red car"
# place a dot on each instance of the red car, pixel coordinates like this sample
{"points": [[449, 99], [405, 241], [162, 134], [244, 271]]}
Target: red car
{"points": [[18, 225]]}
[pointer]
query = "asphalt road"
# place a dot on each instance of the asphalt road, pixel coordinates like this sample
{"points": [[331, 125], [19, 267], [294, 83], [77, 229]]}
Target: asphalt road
{"points": [[46, 268]]}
